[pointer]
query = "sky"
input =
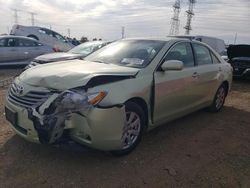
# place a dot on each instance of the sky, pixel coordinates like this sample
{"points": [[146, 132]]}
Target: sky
{"points": [[141, 18]]}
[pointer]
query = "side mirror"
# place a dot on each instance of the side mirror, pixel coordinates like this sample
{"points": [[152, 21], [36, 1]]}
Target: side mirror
{"points": [[172, 65]]}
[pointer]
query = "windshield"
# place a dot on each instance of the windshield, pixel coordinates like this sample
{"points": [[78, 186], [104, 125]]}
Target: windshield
{"points": [[86, 48], [132, 53]]}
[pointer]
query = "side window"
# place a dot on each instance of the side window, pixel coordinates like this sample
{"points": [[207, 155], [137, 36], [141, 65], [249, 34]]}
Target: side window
{"points": [[46, 32], [182, 52], [59, 37], [202, 55], [215, 59], [2, 42], [42, 31], [11, 42], [26, 43]]}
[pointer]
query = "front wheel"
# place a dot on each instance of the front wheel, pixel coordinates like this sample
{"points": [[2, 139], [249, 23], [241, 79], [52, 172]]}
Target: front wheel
{"points": [[219, 99], [133, 128]]}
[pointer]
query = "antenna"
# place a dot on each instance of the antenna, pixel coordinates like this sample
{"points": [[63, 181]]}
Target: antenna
{"points": [[175, 21], [190, 14]]}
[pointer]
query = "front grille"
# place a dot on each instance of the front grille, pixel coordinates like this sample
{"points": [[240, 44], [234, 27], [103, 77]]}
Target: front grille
{"points": [[31, 99]]}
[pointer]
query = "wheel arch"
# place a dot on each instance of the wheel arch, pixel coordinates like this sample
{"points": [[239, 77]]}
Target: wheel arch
{"points": [[142, 103], [33, 36], [226, 84]]}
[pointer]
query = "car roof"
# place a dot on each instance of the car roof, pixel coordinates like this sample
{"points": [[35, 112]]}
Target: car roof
{"points": [[18, 37]]}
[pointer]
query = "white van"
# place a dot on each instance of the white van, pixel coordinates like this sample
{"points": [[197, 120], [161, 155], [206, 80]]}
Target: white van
{"points": [[217, 44], [44, 35]]}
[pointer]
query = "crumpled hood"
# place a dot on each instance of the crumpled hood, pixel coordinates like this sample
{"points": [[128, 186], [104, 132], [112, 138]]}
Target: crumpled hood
{"points": [[70, 74], [235, 51], [59, 56]]}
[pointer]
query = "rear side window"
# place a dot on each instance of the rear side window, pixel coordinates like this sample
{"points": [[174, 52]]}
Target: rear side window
{"points": [[202, 55], [182, 52], [215, 59], [26, 43], [2, 42]]}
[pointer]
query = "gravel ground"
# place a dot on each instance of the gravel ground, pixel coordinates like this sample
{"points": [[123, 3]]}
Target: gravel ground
{"points": [[200, 150]]}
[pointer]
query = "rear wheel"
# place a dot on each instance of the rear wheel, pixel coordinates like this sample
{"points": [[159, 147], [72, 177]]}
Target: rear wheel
{"points": [[219, 99], [133, 128]]}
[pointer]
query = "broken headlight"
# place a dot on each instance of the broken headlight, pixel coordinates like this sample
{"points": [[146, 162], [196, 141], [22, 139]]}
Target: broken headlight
{"points": [[72, 101]]}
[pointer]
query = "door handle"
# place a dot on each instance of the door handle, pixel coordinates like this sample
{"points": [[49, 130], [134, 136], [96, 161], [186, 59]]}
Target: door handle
{"points": [[220, 69], [26, 53], [195, 75]]}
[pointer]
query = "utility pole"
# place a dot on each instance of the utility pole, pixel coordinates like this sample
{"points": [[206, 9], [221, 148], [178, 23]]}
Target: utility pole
{"points": [[190, 14], [123, 32], [69, 32], [235, 38], [175, 21], [32, 14]]}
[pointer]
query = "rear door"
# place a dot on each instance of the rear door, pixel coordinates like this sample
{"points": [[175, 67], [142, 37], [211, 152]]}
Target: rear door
{"points": [[11, 50], [176, 91], [209, 71], [3, 50], [29, 48]]}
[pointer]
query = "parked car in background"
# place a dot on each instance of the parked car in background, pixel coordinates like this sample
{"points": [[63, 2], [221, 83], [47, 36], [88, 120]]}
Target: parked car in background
{"points": [[44, 35], [217, 44], [20, 50], [77, 52], [239, 58], [110, 99]]}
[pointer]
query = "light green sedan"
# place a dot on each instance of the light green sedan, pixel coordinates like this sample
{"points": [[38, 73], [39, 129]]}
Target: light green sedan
{"points": [[116, 94]]}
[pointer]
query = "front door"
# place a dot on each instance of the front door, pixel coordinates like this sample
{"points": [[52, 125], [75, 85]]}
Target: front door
{"points": [[175, 90]]}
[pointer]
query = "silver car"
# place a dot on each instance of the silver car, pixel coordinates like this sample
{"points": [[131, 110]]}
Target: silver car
{"points": [[20, 50], [108, 100], [78, 52]]}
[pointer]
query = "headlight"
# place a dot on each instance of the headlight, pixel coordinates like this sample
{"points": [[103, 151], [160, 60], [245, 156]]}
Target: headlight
{"points": [[72, 101]]}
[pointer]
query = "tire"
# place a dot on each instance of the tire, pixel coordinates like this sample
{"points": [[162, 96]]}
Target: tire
{"points": [[33, 37], [132, 135], [219, 99]]}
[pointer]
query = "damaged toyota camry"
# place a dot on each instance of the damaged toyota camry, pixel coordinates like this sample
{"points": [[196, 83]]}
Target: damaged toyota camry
{"points": [[108, 100]]}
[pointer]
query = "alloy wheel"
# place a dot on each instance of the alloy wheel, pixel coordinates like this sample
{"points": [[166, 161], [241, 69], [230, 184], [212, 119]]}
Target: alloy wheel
{"points": [[131, 129]]}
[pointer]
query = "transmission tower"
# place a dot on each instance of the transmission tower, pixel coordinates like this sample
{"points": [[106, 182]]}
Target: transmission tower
{"points": [[32, 14], [175, 21], [15, 15], [190, 14]]}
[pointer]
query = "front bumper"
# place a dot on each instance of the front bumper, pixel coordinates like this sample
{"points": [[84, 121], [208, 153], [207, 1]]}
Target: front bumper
{"points": [[95, 127]]}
